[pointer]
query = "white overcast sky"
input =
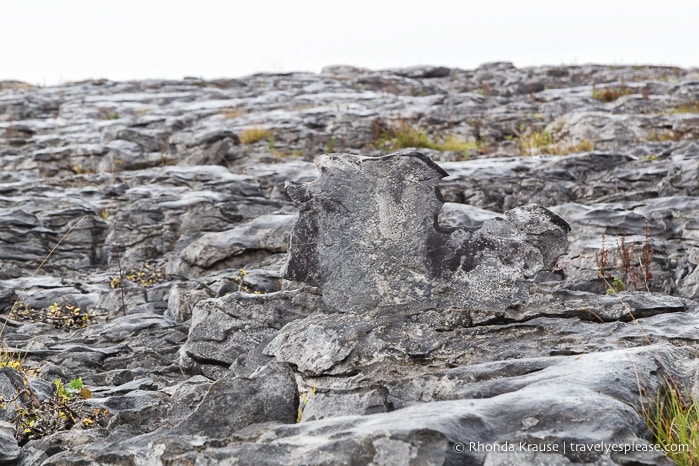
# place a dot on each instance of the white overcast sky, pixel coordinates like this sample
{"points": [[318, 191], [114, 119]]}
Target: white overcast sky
{"points": [[53, 41]]}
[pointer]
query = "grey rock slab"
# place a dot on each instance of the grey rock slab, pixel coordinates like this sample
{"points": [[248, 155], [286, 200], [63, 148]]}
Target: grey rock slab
{"points": [[269, 394], [367, 235], [429, 433], [223, 329], [265, 233], [181, 302], [334, 404], [455, 215]]}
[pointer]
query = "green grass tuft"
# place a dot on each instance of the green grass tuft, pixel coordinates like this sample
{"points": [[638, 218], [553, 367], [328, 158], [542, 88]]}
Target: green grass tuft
{"points": [[673, 418], [253, 135]]}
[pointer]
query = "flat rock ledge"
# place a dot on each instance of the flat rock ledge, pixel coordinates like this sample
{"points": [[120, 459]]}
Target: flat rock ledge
{"points": [[368, 235]]}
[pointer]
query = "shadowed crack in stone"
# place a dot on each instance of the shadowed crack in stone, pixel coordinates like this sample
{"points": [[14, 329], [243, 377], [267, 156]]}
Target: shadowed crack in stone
{"points": [[368, 236]]}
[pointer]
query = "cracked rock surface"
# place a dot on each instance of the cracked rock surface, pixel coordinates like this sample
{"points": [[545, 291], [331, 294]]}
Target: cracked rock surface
{"points": [[166, 204]]}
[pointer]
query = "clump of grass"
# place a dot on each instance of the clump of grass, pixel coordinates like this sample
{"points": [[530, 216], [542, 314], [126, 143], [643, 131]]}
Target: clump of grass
{"points": [[692, 107], [331, 145], [230, 113], [533, 142], [404, 135], [610, 94], [253, 135], [583, 146], [673, 418], [664, 136], [456, 144]]}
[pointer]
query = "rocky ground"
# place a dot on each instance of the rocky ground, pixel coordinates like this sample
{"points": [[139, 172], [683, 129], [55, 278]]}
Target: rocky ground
{"points": [[162, 209]]}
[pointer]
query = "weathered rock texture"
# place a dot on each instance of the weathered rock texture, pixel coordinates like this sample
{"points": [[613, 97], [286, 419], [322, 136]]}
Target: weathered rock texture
{"points": [[368, 235], [166, 172]]}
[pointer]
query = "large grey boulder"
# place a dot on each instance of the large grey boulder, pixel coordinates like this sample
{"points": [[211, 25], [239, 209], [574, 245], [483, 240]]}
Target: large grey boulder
{"points": [[368, 235]]}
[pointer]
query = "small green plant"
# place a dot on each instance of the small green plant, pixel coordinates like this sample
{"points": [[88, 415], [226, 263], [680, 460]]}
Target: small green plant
{"points": [[673, 419], [64, 409], [62, 316], [331, 145], [617, 286], [610, 94], [240, 279], [243, 285], [650, 158], [303, 402], [146, 276], [107, 114], [253, 135], [11, 360]]}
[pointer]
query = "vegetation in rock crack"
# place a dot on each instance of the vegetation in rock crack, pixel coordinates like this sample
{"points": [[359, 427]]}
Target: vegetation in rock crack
{"points": [[61, 411], [534, 142], [16, 305], [690, 107], [304, 399], [404, 135], [610, 94], [664, 135], [331, 145], [61, 315], [107, 114], [253, 135], [35, 418], [673, 419], [146, 276], [231, 113], [634, 271], [243, 285], [10, 359]]}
